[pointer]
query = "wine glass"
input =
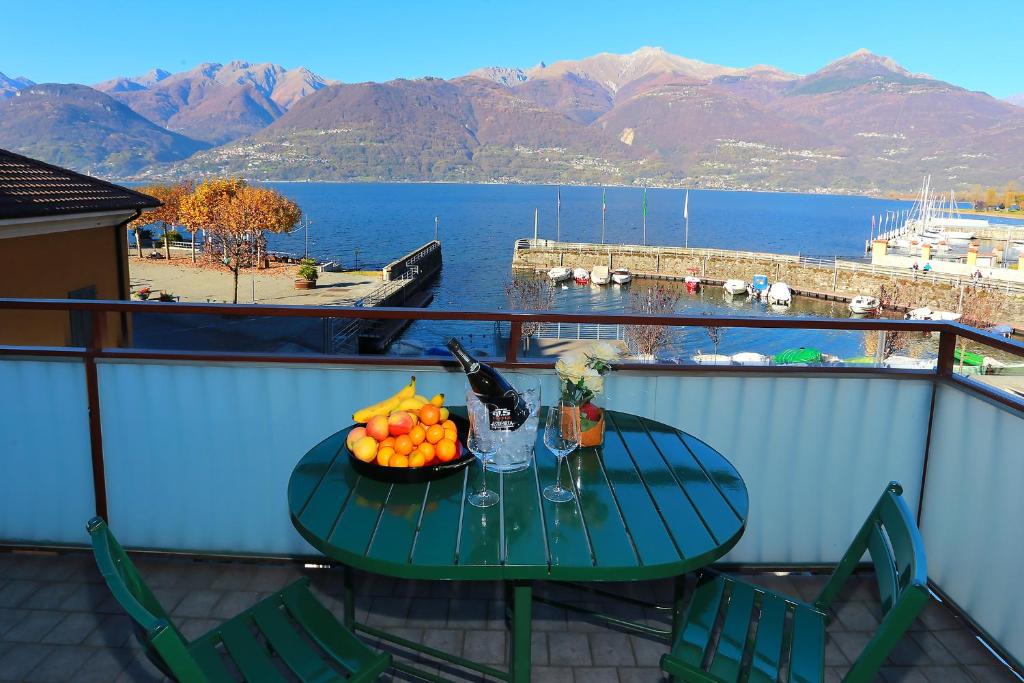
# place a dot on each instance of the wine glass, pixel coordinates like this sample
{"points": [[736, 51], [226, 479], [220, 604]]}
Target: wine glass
{"points": [[561, 437], [484, 446]]}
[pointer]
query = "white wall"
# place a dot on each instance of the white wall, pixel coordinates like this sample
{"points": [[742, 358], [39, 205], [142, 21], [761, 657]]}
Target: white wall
{"points": [[46, 491], [974, 510]]}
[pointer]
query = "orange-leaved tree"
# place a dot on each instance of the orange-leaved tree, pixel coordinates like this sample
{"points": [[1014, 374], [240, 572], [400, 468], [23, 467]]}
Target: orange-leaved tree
{"points": [[168, 214], [251, 213], [205, 208]]}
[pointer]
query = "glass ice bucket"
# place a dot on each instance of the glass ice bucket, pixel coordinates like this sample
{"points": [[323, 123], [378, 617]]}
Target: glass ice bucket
{"points": [[515, 447]]}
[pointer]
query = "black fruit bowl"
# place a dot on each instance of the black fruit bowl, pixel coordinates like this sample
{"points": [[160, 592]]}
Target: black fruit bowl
{"points": [[418, 475]]}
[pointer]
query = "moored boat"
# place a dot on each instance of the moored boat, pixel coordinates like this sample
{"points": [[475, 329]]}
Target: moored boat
{"points": [[692, 283], [759, 286], [750, 358], [621, 276], [780, 294], [599, 275], [735, 287], [864, 304], [800, 356], [712, 359], [581, 275], [967, 357], [559, 273]]}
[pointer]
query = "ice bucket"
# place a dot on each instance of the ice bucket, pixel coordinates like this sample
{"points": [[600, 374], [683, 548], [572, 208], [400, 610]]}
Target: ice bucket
{"points": [[515, 447]]}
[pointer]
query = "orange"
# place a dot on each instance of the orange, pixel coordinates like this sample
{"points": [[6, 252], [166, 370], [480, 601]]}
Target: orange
{"points": [[448, 424], [384, 455], [403, 445], [435, 433], [417, 459], [388, 442], [427, 449], [399, 461], [451, 434], [445, 450], [418, 434], [430, 414]]}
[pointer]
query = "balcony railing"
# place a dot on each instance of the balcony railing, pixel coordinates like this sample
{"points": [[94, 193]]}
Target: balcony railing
{"points": [[99, 428]]}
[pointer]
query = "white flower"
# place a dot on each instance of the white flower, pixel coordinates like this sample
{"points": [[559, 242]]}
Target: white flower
{"points": [[604, 351], [571, 366], [593, 380]]}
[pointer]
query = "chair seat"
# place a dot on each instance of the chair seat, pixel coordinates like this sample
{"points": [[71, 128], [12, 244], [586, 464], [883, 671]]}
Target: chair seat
{"points": [[290, 631], [759, 632]]}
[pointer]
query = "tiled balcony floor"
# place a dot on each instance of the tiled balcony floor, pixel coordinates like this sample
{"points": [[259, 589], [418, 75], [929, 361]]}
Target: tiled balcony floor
{"points": [[58, 622]]}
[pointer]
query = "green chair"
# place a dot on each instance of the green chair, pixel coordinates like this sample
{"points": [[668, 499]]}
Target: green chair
{"points": [[272, 641], [761, 631]]}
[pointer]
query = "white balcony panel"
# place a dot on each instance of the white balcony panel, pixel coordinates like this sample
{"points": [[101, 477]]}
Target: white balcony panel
{"points": [[46, 492], [973, 511], [198, 456], [815, 452]]}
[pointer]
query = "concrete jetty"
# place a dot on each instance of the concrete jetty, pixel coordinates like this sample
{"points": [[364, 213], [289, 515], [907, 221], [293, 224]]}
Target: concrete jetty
{"points": [[835, 279]]}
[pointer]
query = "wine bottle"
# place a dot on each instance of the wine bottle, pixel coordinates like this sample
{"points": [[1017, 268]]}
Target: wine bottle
{"points": [[506, 409]]}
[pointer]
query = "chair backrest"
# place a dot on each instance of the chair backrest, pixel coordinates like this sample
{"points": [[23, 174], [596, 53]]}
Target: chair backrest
{"points": [[163, 643], [891, 538]]}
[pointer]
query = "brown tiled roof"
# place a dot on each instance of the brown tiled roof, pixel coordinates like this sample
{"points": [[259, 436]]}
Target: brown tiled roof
{"points": [[30, 188]]}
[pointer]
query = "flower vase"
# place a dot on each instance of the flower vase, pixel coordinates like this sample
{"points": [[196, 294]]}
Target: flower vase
{"points": [[591, 431]]}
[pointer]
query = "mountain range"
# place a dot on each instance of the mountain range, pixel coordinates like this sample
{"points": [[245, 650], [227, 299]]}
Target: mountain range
{"points": [[861, 124]]}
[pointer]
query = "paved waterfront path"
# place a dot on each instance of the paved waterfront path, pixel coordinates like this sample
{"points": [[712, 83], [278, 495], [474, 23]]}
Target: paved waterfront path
{"points": [[198, 284], [58, 622]]}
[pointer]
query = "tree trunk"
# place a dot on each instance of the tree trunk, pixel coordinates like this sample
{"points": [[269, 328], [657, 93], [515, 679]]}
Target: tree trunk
{"points": [[138, 242], [194, 246], [234, 270], [167, 244]]}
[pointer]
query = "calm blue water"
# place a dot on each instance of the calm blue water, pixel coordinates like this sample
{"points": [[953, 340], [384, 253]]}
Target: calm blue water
{"points": [[367, 225]]}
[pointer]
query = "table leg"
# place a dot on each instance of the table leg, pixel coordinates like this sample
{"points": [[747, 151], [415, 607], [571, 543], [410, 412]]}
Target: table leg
{"points": [[350, 597], [522, 632], [678, 605]]}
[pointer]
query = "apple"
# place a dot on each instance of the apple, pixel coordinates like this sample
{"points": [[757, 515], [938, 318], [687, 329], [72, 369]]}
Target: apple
{"points": [[353, 436], [400, 423], [377, 427], [365, 449]]}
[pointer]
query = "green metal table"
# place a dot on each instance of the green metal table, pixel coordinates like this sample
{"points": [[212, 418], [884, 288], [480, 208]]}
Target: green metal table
{"points": [[651, 502]]}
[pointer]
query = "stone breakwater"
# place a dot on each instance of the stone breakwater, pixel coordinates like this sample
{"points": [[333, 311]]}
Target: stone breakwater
{"points": [[841, 280]]}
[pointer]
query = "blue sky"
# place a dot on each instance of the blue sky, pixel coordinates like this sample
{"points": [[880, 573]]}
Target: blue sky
{"points": [[979, 47]]}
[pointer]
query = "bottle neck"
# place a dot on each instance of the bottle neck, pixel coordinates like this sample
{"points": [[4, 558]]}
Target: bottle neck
{"points": [[469, 365]]}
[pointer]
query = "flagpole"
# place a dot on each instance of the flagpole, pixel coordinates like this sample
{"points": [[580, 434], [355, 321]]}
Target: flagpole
{"points": [[686, 218], [604, 209], [536, 215], [645, 216], [558, 215]]}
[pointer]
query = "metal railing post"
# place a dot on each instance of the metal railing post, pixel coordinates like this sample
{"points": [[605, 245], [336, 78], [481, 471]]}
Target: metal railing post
{"points": [[99, 479], [515, 335], [947, 346]]}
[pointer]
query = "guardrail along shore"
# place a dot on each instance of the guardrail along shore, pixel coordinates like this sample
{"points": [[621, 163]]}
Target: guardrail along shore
{"points": [[828, 278]]}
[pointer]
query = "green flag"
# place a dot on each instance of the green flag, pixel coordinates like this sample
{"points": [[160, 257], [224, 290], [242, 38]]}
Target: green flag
{"points": [[645, 201]]}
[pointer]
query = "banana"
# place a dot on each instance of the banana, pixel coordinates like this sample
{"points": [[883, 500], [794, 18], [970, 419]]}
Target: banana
{"points": [[411, 404], [438, 400], [384, 407], [422, 399]]}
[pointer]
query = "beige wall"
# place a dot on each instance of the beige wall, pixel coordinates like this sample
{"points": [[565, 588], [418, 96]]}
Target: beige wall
{"points": [[49, 266]]}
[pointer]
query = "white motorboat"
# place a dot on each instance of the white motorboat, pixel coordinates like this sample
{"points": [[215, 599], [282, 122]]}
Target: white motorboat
{"points": [[712, 359], [780, 294], [581, 275], [864, 304], [621, 276], [735, 287], [909, 363], [750, 358], [599, 275], [560, 273], [925, 313]]}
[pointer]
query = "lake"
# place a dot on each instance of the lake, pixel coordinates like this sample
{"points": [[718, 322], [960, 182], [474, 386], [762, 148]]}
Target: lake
{"points": [[367, 225]]}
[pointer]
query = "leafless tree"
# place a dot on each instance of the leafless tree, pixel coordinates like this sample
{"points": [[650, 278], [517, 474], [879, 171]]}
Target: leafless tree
{"points": [[647, 340], [891, 298], [526, 293], [715, 333], [978, 309]]}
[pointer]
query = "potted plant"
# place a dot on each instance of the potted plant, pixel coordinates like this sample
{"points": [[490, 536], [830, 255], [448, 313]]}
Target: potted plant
{"points": [[143, 293], [307, 274], [581, 379], [167, 296]]}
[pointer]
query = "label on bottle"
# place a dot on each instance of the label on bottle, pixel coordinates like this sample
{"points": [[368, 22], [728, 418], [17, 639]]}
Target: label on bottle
{"points": [[501, 419]]}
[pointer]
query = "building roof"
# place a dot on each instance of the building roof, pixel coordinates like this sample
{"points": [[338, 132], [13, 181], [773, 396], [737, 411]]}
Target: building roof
{"points": [[31, 188]]}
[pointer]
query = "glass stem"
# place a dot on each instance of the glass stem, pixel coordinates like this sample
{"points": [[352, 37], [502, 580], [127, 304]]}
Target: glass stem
{"points": [[483, 476], [558, 481]]}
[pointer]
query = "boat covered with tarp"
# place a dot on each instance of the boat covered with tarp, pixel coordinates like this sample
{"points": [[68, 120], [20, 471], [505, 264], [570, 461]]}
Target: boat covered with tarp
{"points": [[800, 356]]}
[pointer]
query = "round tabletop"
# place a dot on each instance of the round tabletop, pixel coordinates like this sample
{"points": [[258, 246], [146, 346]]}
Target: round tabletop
{"points": [[651, 502]]}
